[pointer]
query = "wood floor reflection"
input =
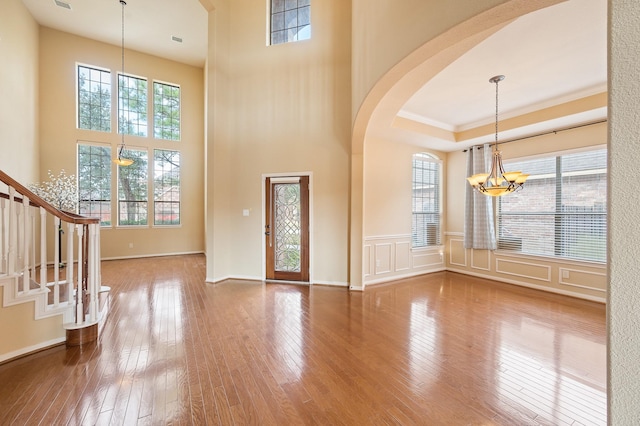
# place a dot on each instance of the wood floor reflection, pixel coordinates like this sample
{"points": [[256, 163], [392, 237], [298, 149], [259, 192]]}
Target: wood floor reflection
{"points": [[440, 349]]}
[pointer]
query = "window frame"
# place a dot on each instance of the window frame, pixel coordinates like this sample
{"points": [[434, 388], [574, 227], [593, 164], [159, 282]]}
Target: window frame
{"points": [[156, 202], [560, 237], [304, 29], [120, 109], [79, 65], [146, 181], [425, 232], [155, 111], [80, 176]]}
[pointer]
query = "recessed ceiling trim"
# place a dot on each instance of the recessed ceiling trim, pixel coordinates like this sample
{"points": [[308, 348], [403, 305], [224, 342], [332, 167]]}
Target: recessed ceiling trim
{"points": [[425, 120]]}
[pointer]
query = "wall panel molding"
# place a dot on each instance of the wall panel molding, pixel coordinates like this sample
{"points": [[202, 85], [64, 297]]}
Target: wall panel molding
{"points": [[457, 252], [481, 262], [511, 267]]}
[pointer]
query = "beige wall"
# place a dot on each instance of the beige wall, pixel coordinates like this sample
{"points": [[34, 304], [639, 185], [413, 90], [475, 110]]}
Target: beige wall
{"points": [[19, 89], [623, 315], [59, 54], [387, 252], [21, 333], [288, 111]]}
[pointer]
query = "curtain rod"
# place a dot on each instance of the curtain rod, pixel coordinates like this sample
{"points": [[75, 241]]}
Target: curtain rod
{"points": [[543, 133]]}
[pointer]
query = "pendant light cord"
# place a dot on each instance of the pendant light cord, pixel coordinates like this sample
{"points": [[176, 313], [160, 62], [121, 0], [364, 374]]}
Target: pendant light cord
{"points": [[496, 145], [123, 3]]}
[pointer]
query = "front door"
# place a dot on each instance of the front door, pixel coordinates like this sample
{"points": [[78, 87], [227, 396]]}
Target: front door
{"points": [[287, 228]]}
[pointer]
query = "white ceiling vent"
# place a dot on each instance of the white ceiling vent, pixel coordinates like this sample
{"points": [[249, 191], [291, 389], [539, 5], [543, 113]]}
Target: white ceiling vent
{"points": [[176, 39], [62, 4]]}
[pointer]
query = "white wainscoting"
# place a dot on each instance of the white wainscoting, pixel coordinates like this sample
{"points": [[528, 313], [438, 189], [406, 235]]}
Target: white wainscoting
{"points": [[585, 280], [390, 257]]}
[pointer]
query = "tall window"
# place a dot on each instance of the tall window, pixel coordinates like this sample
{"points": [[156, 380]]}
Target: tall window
{"points": [[561, 211], [290, 20], [94, 181], [94, 99], [132, 105], [133, 192], [425, 226], [166, 187], [166, 111]]}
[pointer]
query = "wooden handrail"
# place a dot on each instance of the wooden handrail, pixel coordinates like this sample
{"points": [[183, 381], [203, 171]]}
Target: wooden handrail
{"points": [[37, 201]]}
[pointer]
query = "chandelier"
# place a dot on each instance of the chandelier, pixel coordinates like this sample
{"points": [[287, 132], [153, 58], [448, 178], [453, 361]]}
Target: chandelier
{"points": [[497, 182], [120, 160]]}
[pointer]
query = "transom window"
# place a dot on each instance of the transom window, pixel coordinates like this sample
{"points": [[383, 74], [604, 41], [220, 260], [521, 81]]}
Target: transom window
{"points": [[94, 99], [562, 209], [166, 111], [132, 105], [426, 182], [290, 20]]}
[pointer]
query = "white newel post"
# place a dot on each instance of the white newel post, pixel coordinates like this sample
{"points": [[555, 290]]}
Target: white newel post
{"points": [[93, 279], [79, 295], [25, 244], [43, 248]]}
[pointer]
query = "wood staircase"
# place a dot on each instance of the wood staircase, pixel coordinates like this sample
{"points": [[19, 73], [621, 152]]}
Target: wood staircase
{"points": [[26, 221]]}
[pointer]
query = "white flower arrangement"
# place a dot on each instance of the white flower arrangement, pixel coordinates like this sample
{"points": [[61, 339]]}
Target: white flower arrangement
{"points": [[61, 191]]}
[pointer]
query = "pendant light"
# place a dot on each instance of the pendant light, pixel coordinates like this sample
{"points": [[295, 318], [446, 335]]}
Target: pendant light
{"points": [[120, 160], [497, 182]]}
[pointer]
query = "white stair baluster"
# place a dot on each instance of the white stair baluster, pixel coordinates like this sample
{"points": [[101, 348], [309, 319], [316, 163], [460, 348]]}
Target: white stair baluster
{"points": [[56, 264], [3, 235], [43, 248], [79, 295], [13, 229]]}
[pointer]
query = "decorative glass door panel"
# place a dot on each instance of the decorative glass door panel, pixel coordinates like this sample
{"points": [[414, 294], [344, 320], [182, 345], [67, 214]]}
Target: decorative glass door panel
{"points": [[287, 228]]}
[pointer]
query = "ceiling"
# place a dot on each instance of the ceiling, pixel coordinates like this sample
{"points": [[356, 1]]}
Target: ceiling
{"points": [[550, 57], [149, 24]]}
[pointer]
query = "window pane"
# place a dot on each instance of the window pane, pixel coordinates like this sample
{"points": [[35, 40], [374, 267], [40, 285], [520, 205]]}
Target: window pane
{"points": [[94, 182], [132, 105], [290, 21], [166, 111], [277, 22], [561, 211], [166, 187], [304, 16], [133, 189], [425, 229], [277, 6], [94, 99]]}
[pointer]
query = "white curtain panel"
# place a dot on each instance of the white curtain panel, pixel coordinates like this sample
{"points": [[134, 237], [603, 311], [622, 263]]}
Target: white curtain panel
{"points": [[479, 217]]}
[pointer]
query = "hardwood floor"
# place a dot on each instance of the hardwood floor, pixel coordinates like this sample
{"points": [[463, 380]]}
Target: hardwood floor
{"points": [[440, 349]]}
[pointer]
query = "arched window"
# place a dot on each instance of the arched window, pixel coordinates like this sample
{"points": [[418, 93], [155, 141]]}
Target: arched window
{"points": [[426, 194]]}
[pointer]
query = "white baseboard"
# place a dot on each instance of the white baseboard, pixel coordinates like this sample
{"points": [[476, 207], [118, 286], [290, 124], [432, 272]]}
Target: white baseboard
{"points": [[140, 256], [403, 276], [529, 285], [30, 349]]}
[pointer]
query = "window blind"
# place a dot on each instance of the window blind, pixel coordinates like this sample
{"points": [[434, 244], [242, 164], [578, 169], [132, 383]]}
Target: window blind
{"points": [[425, 227], [561, 211]]}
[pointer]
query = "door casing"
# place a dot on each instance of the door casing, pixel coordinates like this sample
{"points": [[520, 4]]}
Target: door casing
{"points": [[310, 225]]}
